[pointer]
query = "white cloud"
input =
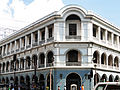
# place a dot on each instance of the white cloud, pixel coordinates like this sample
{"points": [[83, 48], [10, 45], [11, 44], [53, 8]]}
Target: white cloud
{"points": [[17, 14]]}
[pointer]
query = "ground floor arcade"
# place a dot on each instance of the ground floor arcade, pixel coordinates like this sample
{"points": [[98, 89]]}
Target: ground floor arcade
{"points": [[63, 78]]}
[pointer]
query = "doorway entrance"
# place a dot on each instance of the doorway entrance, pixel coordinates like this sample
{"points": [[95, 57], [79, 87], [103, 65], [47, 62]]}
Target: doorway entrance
{"points": [[73, 82]]}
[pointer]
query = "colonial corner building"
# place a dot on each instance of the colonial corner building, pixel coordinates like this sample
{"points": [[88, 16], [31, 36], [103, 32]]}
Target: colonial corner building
{"points": [[64, 50]]}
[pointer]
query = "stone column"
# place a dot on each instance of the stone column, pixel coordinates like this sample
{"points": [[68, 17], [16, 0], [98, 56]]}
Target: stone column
{"points": [[99, 34], [6, 48], [10, 47], [112, 38], [20, 43], [38, 36], [90, 31], [30, 62], [100, 59], [2, 50], [25, 41], [107, 60], [5, 66], [24, 63], [46, 33], [31, 39], [106, 36], [15, 47]]}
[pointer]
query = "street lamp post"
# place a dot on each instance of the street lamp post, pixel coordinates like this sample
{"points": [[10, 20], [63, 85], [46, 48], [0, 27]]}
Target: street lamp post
{"points": [[95, 74], [95, 65]]}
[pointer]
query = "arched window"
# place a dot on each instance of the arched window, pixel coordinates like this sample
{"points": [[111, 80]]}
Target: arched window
{"points": [[28, 62], [3, 67], [41, 60], [73, 56], [116, 78], [96, 57], [22, 64], [110, 60], [0, 67], [96, 78], [104, 78], [17, 64], [103, 59], [34, 60], [7, 66], [12, 65], [50, 58], [111, 78], [73, 23], [116, 62]]}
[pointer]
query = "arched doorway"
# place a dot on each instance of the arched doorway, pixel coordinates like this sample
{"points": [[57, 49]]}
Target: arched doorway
{"points": [[96, 78], [3, 81], [7, 80], [111, 78], [48, 81], [22, 83], [42, 82], [7, 83], [35, 81], [27, 83], [16, 83], [73, 80], [11, 80], [116, 79], [104, 78]]}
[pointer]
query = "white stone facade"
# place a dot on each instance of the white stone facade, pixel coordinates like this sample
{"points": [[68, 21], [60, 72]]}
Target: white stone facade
{"points": [[71, 39]]}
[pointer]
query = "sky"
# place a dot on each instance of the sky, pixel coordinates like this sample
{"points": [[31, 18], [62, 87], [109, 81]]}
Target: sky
{"points": [[17, 14]]}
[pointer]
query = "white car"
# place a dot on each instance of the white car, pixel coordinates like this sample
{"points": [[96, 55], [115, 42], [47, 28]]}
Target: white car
{"points": [[107, 86]]}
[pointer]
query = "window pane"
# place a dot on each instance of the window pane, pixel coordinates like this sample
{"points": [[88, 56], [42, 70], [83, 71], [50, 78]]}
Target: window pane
{"points": [[43, 35], [50, 32], [72, 29]]}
